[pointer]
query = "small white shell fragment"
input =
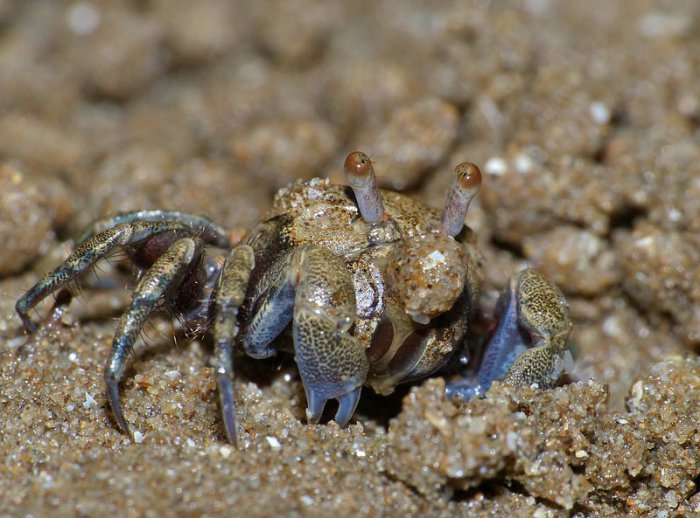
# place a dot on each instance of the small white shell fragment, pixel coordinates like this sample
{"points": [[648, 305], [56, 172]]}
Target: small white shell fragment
{"points": [[89, 401], [495, 166], [13, 343], [273, 442], [226, 451], [83, 18], [600, 113], [523, 163]]}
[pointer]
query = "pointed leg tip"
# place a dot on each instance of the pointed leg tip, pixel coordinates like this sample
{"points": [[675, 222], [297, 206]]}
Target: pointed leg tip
{"points": [[232, 437], [228, 408], [231, 428], [29, 325], [121, 422], [112, 388]]}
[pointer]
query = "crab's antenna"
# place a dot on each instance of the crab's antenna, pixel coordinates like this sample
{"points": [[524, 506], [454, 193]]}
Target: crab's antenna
{"points": [[465, 185], [360, 174]]}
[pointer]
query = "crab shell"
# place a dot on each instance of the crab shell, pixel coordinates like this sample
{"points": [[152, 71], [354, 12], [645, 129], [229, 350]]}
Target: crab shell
{"points": [[415, 286]]}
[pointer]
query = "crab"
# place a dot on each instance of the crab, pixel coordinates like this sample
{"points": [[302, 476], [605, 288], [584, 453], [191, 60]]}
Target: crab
{"points": [[376, 288]]}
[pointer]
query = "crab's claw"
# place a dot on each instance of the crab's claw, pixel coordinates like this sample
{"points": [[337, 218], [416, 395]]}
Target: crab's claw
{"points": [[529, 345]]}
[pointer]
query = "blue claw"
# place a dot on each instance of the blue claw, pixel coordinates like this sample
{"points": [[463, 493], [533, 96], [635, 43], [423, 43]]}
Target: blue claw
{"points": [[507, 343], [315, 406], [347, 405]]}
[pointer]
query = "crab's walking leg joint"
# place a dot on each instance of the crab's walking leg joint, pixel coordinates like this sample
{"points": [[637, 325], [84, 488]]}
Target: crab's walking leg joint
{"points": [[165, 274], [229, 298], [91, 251], [332, 363], [208, 231], [465, 185], [360, 175], [79, 261]]}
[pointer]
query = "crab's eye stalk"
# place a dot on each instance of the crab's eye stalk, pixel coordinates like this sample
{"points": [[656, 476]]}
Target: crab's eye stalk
{"points": [[465, 185], [360, 174]]}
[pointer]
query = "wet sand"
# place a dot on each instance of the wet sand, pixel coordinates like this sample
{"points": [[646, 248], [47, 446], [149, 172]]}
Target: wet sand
{"points": [[585, 122]]}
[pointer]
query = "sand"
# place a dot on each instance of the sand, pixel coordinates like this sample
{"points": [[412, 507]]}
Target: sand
{"points": [[584, 119]]}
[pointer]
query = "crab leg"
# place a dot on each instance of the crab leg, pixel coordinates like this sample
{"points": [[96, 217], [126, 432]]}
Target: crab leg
{"points": [[165, 274], [331, 362], [91, 251], [230, 294], [200, 226]]}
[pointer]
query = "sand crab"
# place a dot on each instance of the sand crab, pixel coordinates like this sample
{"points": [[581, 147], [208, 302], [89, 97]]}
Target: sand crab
{"points": [[377, 288]]}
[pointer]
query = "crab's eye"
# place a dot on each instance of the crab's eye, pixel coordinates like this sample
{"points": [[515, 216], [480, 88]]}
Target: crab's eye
{"points": [[465, 185], [360, 174], [427, 274]]}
